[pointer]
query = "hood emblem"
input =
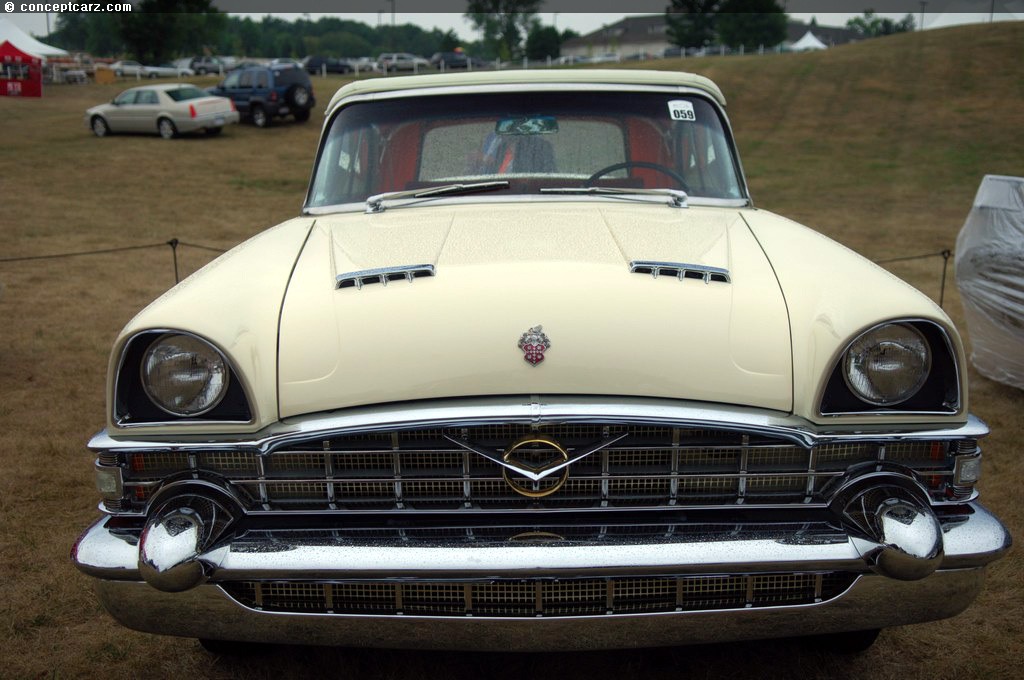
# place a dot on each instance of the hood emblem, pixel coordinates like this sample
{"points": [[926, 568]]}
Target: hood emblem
{"points": [[534, 343]]}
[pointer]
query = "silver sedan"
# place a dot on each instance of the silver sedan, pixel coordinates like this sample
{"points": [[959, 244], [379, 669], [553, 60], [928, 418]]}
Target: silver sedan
{"points": [[168, 110]]}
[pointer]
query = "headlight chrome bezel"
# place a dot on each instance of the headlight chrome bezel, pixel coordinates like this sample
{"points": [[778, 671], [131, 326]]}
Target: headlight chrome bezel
{"points": [[939, 394], [132, 406]]}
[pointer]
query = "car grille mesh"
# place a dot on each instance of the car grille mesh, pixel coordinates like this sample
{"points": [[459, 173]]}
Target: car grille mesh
{"points": [[651, 466], [510, 598]]}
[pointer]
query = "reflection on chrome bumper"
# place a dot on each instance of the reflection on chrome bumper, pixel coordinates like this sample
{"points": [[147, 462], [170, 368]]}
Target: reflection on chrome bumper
{"points": [[207, 612], [969, 540], [674, 568]]}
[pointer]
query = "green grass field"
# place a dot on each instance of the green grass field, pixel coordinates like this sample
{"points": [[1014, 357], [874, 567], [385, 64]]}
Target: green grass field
{"points": [[880, 145]]}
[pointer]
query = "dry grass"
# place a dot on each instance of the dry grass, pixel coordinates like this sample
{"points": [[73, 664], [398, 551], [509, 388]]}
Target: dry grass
{"points": [[880, 145]]}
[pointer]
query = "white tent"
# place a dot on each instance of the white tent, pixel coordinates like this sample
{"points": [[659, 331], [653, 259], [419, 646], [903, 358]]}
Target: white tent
{"points": [[26, 43], [808, 42]]}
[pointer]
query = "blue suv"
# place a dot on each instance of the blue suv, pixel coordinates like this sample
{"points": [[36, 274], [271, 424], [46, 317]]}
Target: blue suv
{"points": [[263, 93]]}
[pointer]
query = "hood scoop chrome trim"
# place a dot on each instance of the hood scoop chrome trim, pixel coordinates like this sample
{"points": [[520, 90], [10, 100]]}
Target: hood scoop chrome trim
{"points": [[383, 275], [680, 270]]}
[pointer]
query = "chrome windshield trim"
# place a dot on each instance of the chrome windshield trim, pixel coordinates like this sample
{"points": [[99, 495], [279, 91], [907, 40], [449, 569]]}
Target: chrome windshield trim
{"points": [[567, 86], [336, 105], [495, 410], [692, 202], [676, 197]]}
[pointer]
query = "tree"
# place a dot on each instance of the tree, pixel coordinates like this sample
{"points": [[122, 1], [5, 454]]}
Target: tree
{"points": [[96, 33], [449, 41], [691, 23], [158, 29], [751, 23], [871, 26], [543, 42], [503, 23]]}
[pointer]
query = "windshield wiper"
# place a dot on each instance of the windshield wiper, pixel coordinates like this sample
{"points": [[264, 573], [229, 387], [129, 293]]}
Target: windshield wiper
{"points": [[375, 204], [677, 197]]}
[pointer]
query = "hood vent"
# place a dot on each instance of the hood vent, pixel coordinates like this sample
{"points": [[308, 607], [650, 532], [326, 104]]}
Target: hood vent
{"points": [[680, 270], [384, 275]]}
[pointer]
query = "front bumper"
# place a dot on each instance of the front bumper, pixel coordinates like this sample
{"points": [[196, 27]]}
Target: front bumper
{"points": [[971, 539], [872, 602]]}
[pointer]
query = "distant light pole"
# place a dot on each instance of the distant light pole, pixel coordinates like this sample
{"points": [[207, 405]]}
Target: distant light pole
{"points": [[554, 19], [923, 3]]}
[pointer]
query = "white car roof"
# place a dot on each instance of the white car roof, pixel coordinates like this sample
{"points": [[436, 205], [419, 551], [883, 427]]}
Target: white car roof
{"points": [[528, 77]]}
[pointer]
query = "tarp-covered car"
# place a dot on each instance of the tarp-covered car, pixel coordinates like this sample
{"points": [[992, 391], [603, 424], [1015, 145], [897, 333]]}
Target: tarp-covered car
{"points": [[990, 275], [531, 372]]}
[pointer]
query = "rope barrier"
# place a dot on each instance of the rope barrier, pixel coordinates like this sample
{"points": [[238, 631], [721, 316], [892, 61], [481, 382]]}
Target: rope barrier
{"points": [[174, 243], [945, 254], [82, 252]]}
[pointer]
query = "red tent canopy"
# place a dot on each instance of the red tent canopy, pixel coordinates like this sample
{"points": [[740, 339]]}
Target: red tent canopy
{"points": [[21, 74]]}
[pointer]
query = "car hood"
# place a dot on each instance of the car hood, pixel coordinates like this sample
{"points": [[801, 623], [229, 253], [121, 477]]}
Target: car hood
{"points": [[502, 269]]}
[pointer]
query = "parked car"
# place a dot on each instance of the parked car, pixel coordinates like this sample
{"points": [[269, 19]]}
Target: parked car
{"points": [[402, 61], [530, 371], [167, 110], [364, 64], [168, 71], [205, 65], [248, 63], [449, 60], [263, 93], [127, 67], [316, 64]]}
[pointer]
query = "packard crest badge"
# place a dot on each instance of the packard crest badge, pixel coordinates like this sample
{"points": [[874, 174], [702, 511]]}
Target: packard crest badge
{"points": [[533, 343]]}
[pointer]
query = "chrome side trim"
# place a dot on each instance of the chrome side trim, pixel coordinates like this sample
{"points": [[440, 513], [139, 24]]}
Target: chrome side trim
{"points": [[497, 410], [679, 270], [207, 612], [384, 274]]}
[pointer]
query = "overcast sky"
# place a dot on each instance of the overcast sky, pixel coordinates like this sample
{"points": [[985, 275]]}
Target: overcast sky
{"points": [[583, 23]]}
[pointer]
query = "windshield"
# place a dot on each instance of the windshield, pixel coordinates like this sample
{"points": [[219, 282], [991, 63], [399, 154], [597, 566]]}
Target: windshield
{"points": [[534, 140]]}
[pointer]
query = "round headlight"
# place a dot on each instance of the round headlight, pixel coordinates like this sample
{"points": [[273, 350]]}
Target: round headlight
{"points": [[183, 375], [887, 364]]}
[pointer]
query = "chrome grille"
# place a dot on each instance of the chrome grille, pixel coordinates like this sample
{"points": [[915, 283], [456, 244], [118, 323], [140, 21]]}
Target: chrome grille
{"points": [[652, 466], [542, 597]]}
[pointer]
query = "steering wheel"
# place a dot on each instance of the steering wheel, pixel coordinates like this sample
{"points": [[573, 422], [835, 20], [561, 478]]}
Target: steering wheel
{"points": [[637, 164]]}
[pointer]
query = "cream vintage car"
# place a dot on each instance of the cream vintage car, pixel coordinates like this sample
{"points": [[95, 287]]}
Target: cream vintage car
{"points": [[531, 372]]}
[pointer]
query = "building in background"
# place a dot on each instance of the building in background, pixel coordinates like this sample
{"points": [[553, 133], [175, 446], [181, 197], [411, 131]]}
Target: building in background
{"points": [[646, 36]]}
